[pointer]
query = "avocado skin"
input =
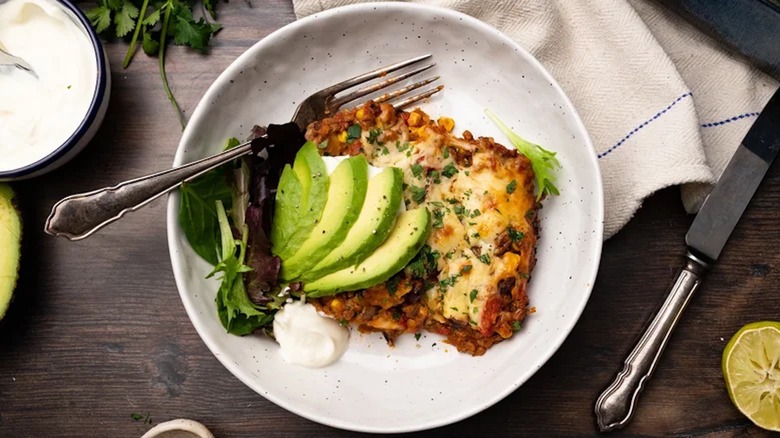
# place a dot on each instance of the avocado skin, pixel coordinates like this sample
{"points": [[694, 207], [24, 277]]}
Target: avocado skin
{"points": [[10, 246], [390, 258], [370, 241]]}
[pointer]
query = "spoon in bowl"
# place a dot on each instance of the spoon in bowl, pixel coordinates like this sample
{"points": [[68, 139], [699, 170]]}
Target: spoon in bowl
{"points": [[9, 59]]}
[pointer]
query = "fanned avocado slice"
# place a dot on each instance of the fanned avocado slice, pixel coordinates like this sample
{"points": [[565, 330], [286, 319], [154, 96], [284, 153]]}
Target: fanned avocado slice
{"points": [[310, 172], [345, 197], [404, 242], [374, 223], [10, 247]]}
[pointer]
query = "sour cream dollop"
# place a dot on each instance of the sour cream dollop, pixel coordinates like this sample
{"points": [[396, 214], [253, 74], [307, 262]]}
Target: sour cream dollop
{"points": [[39, 115], [307, 338]]}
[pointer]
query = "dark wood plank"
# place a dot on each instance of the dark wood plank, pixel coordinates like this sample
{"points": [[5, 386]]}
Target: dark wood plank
{"points": [[98, 332]]}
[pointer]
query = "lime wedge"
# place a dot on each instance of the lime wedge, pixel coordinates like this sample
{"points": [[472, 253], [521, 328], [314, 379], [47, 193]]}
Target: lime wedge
{"points": [[751, 368]]}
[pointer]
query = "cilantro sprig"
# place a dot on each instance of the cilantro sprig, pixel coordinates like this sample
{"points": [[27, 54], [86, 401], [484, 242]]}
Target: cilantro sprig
{"points": [[543, 161], [155, 23]]}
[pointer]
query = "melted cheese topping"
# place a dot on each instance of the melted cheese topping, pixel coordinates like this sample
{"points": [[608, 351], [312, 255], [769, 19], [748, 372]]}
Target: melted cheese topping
{"points": [[471, 206]]}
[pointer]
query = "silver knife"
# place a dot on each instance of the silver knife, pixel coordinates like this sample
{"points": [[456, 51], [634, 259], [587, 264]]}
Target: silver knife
{"points": [[705, 239]]}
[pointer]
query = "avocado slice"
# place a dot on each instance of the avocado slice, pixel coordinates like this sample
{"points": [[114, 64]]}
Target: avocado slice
{"points": [[286, 205], [404, 242], [310, 172], [374, 223], [346, 194], [10, 246]]}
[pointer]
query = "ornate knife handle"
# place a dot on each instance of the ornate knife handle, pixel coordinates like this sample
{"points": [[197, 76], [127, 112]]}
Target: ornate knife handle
{"points": [[78, 216], [615, 405]]}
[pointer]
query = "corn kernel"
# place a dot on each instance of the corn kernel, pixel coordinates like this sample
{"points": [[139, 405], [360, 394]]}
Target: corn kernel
{"points": [[420, 131], [337, 304], [343, 137], [360, 114], [415, 119], [446, 123]]}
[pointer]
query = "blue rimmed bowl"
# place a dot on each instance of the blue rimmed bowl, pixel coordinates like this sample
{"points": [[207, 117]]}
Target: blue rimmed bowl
{"points": [[93, 117]]}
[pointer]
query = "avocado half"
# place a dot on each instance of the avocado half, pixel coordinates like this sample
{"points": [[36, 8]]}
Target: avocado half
{"points": [[10, 246]]}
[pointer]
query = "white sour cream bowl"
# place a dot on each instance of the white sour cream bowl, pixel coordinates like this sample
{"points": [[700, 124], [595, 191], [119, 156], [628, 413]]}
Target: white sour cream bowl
{"points": [[46, 120]]}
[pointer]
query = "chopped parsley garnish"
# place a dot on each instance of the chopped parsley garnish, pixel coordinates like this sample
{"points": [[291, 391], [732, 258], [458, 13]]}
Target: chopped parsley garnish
{"points": [[484, 258], [396, 315], [459, 209], [475, 235], [402, 147], [418, 193], [353, 133], [510, 188], [434, 174], [424, 262], [455, 309], [438, 219], [437, 204], [449, 255], [417, 170], [449, 170], [417, 336], [323, 145], [516, 325], [373, 135], [446, 152], [343, 322], [515, 235], [448, 282], [465, 269], [385, 150], [476, 213], [392, 285], [473, 295], [452, 200]]}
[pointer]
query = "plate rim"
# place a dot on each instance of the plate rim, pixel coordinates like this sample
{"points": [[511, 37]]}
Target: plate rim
{"points": [[174, 230]]}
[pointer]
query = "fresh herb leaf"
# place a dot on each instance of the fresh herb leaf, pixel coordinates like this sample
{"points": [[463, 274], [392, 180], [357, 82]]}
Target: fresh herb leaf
{"points": [[150, 45], [510, 188], [473, 295], [136, 416], [466, 268], [124, 19], [417, 170], [484, 258], [373, 135], [446, 152], [188, 32], [449, 170], [434, 174], [516, 325], [392, 284], [417, 336], [353, 133], [438, 219], [323, 145], [418, 193], [100, 17], [543, 161], [515, 235], [402, 147], [424, 262]]}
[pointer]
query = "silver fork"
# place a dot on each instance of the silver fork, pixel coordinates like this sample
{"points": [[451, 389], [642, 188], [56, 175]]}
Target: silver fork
{"points": [[79, 216]]}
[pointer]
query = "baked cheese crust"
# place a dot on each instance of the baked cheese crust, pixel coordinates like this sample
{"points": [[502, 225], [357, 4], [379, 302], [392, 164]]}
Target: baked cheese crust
{"points": [[469, 281]]}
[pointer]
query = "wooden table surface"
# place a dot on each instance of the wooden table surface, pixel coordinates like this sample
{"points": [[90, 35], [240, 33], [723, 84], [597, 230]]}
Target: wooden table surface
{"points": [[97, 331]]}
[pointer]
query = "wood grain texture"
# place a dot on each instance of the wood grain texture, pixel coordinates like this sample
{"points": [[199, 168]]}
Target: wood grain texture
{"points": [[97, 330]]}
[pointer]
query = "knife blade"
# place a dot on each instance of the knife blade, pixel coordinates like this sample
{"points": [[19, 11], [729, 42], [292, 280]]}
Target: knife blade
{"points": [[705, 240]]}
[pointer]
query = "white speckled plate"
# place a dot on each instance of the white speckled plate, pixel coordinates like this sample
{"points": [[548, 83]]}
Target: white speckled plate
{"points": [[426, 383]]}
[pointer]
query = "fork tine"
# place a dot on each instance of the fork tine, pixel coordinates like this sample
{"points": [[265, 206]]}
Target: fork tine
{"points": [[337, 102], [410, 100], [382, 71], [404, 90]]}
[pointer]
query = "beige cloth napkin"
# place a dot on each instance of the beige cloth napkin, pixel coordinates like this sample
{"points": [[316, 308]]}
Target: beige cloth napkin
{"points": [[664, 104]]}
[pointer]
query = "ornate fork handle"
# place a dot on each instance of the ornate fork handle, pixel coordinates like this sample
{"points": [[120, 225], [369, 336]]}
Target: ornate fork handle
{"points": [[615, 405], [80, 215]]}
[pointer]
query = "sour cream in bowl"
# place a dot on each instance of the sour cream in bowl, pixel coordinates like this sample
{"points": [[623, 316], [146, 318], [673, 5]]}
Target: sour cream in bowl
{"points": [[46, 120]]}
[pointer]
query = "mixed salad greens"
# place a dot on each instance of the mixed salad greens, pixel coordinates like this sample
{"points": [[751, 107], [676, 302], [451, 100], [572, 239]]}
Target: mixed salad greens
{"points": [[226, 215]]}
